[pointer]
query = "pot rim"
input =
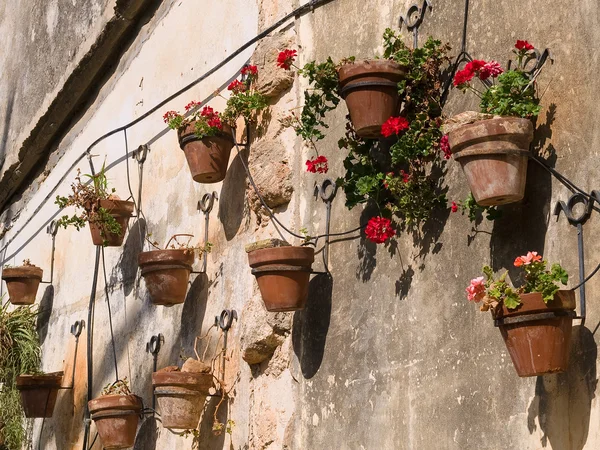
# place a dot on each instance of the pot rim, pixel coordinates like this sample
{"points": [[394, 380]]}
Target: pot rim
{"points": [[117, 207], [151, 257], [190, 380], [533, 303], [22, 272], [46, 380], [370, 68], [108, 402], [305, 259], [225, 133]]}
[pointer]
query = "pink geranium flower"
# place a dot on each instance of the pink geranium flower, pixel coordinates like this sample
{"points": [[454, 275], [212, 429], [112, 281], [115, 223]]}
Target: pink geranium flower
{"points": [[527, 259], [476, 290]]}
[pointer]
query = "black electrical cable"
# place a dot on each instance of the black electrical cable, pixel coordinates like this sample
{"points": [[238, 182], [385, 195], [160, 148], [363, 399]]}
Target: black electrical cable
{"points": [[112, 335]]}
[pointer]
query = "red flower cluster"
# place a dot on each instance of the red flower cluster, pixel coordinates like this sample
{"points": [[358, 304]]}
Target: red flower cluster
{"points": [[445, 147], [286, 58], [250, 70], [318, 164], [454, 207], [191, 105], [170, 115], [236, 87], [405, 176], [212, 117], [394, 125], [482, 69], [523, 46], [379, 230]]}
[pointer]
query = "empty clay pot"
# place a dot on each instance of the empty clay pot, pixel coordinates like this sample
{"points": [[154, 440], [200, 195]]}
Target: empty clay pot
{"points": [[370, 89], [22, 283], [282, 274], [38, 393], [121, 210], [166, 273], [493, 154], [181, 397], [539, 347], [116, 418], [207, 157]]}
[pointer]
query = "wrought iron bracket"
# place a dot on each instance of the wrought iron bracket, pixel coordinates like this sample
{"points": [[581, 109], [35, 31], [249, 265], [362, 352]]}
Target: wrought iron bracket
{"points": [[327, 191], [224, 322], [206, 205], [52, 230], [153, 347], [141, 153], [75, 330], [414, 18]]}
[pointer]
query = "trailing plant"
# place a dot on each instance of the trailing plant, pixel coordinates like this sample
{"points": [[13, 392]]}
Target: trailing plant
{"points": [[86, 196], [19, 354], [537, 278], [174, 244], [474, 210]]}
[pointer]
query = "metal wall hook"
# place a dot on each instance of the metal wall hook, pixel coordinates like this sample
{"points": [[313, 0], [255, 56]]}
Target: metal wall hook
{"points": [[413, 19], [141, 153], [153, 347], [52, 230], [225, 321], [206, 205], [75, 330], [327, 191]]}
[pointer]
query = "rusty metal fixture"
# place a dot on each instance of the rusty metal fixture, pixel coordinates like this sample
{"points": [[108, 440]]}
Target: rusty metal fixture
{"points": [[181, 397], [121, 210], [22, 283], [116, 418], [538, 335], [38, 393], [167, 273], [493, 154], [283, 274], [207, 157], [370, 89]]}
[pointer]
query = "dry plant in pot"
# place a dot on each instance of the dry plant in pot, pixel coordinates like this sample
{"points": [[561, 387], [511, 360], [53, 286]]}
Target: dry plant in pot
{"points": [[535, 319], [167, 271], [106, 214], [493, 146], [116, 414], [22, 282]]}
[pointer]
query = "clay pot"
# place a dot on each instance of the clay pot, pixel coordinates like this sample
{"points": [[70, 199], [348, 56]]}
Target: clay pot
{"points": [[207, 157], [181, 397], [493, 154], [539, 347], [282, 274], [22, 283], [116, 418], [121, 210], [370, 89], [167, 273], [38, 393]]}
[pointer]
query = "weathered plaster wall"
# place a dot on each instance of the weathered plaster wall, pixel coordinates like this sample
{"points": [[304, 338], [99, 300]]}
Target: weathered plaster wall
{"points": [[388, 354]]}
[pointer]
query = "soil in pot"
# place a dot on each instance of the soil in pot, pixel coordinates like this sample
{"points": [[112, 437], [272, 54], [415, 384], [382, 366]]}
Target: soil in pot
{"points": [[539, 347], [121, 210], [283, 274], [166, 273], [39, 393], [116, 418], [493, 154], [207, 157], [370, 89], [22, 283]]}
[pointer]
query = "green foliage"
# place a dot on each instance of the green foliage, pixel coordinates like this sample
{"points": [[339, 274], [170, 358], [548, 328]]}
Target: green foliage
{"points": [[19, 354], [499, 290], [474, 209], [513, 95], [538, 279], [245, 104]]}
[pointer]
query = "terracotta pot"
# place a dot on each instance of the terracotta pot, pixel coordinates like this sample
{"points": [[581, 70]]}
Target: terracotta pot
{"points": [[207, 157], [181, 396], [493, 154], [370, 89], [539, 347], [38, 393], [22, 283], [282, 274], [116, 418], [167, 273], [121, 210]]}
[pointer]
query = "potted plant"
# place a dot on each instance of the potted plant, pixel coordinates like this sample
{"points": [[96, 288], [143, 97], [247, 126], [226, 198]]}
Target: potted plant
{"points": [[405, 184], [535, 319], [282, 272], [106, 214], [19, 354], [22, 282], [167, 271], [39, 392], [116, 414], [493, 148], [205, 135]]}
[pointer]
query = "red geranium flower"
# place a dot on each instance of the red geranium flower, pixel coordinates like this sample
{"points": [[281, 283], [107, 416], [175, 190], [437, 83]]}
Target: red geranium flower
{"points": [[236, 87], [454, 207], [250, 70], [523, 46], [191, 105], [394, 125], [379, 230], [318, 164], [490, 69], [207, 111], [445, 146], [475, 65], [170, 115], [462, 77], [215, 122], [286, 58], [405, 176]]}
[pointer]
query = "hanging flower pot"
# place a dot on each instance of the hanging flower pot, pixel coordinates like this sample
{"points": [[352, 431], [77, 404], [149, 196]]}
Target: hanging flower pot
{"points": [[22, 283], [121, 210], [181, 396], [39, 393], [538, 335], [282, 274], [493, 154], [207, 157], [116, 418], [370, 89], [166, 273]]}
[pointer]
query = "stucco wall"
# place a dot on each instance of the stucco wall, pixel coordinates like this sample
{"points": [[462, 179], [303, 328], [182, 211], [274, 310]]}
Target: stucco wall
{"points": [[388, 354]]}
